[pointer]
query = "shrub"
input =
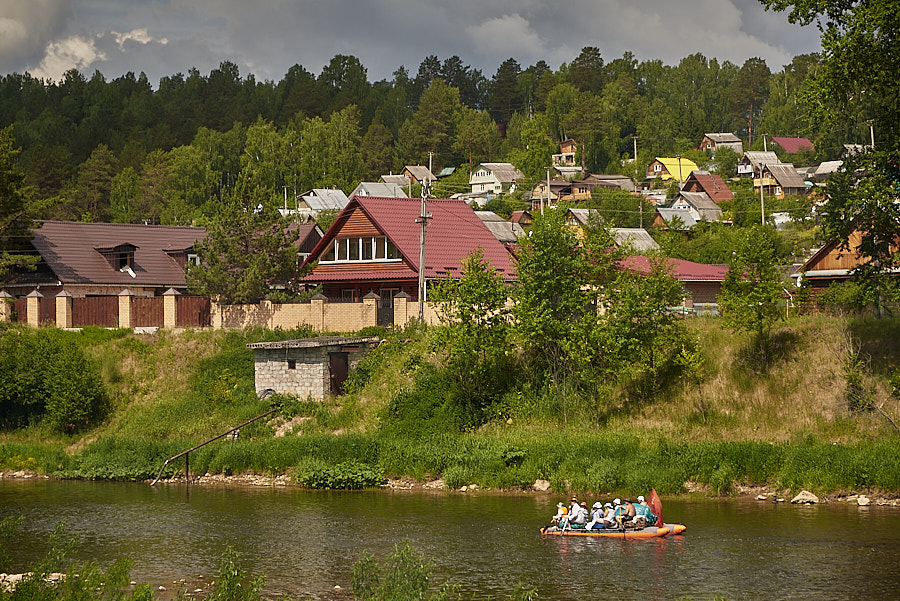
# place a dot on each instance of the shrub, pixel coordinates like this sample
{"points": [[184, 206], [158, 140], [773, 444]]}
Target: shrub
{"points": [[346, 475], [45, 377]]}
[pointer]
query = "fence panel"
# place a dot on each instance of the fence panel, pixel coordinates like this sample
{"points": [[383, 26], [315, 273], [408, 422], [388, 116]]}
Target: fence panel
{"points": [[100, 311], [192, 312], [19, 307], [147, 311], [47, 311]]}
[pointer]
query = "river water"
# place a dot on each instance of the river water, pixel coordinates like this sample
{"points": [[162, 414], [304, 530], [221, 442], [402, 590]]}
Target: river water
{"points": [[308, 541]]}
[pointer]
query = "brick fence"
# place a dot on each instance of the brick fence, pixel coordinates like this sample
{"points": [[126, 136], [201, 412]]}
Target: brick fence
{"points": [[173, 310]]}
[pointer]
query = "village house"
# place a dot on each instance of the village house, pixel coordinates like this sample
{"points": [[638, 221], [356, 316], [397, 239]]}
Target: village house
{"points": [[103, 259], [310, 204], [793, 145], [495, 178], [679, 218], [780, 180], [709, 183], [834, 264], [711, 142], [702, 283], [667, 168], [380, 189], [699, 205], [753, 160], [373, 248], [418, 174]]}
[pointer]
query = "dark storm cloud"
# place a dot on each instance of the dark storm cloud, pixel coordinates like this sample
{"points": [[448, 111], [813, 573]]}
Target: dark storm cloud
{"points": [[163, 37]]}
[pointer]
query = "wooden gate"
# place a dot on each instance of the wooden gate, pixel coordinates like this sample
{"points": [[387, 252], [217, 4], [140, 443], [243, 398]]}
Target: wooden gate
{"points": [[147, 311], [192, 312], [47, 311], [19, 308], [100, 311], [339, 367]]}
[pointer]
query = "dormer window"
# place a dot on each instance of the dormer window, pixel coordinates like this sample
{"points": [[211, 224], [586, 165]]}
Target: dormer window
{"points": [[120, 257]]}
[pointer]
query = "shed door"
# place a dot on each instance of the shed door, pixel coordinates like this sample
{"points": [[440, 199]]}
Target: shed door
{"points": [[339, 368]]}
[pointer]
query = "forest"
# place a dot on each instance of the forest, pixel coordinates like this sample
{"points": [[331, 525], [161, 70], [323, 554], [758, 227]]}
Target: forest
{"points": [[124, 150]]}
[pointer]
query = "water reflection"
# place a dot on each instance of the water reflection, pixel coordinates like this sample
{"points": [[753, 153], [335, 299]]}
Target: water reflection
{"points": [[307, 541]]}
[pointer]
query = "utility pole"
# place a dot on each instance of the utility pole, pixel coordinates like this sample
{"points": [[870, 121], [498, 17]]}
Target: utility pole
{"points": [[423, 220], [680, 180], [765, 146], [548, 192], [762, 201], [872, 132], [635, 139]]}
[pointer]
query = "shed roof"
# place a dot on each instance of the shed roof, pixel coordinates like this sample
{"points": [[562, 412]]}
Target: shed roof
{"points": [[317, 342], [398, 180]]}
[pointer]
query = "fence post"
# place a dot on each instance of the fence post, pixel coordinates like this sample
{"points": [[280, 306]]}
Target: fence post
{"points": [[317, 310], [370, 309], [401, 309], [5, 307], [124, 308], [64, 309], [170, 308], [33, 308]]}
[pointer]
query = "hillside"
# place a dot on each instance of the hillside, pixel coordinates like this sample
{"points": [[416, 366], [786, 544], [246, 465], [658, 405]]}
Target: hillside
{"points": [[170, 391]]}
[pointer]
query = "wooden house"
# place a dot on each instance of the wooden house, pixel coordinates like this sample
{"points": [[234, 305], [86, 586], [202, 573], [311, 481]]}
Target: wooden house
{"points": [[373, 247], [711, 142]]}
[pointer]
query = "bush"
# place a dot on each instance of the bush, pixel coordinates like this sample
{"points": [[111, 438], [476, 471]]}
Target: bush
{"points": [[315, 473], [46, 377]]}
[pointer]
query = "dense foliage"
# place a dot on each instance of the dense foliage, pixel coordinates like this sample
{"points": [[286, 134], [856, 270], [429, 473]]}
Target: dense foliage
{"points": [[46, 378]]}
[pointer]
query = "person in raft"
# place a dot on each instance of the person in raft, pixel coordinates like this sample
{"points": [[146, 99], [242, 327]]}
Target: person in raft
{"points": [[641, 508], [596, 522], [577, 516], [626, 518], [561, 512], [609, 515]]}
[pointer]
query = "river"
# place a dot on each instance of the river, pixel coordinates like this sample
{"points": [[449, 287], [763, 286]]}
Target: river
{"points": [[307, 541]]}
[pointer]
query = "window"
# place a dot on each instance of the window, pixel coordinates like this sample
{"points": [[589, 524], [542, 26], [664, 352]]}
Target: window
{"points": [[193, 258], [657, 168], [348, 295], [358, 249], [292, 363]]}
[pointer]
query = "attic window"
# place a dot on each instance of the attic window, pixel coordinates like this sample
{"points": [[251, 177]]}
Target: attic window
{"points": [[120, 257], [360, 249]]}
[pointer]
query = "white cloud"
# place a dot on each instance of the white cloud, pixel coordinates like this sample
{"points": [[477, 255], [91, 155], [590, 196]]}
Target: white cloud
{"points": [[27, 27], [137, 35], [508, 36], [74, 52]]}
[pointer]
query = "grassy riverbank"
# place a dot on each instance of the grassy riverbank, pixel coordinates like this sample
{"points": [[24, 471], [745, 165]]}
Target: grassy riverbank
{"points": [[798, 424]]}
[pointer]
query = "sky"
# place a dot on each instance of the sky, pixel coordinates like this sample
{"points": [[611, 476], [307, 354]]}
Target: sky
{"points": [[266, 37]]}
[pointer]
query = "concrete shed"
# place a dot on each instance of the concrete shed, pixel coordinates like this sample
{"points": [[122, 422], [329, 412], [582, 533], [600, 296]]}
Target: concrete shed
{"points": [[308, 367]]}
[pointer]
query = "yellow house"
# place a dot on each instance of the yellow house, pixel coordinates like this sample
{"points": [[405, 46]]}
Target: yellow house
{"points": [[671, 168]]}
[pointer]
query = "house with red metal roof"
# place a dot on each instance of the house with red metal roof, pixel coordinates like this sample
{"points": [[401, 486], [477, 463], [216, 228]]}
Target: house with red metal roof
{"points": [[702, 282], [373, 246], [794, 145], [714, 186]]}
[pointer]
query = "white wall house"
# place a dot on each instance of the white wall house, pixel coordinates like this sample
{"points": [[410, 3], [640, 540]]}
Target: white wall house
{"points": [[495, 178]]}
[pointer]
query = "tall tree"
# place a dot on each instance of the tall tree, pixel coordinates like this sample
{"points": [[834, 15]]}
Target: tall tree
{"points": [[586, 72], [749, 91], [477, 138], [752, 288], [247, 250], [504, 98], [18, 210], [535, 148], [376, 150]]}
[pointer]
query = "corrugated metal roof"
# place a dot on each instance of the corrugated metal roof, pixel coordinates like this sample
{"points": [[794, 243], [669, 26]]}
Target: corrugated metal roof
{"points": [[786, 176], [504, 172], [397, 180], [685, 271], [828, 167], [420, 173], [712, 184], [723, 137], [638, 237], [793, 145], [317, 342], [382, 189], [505, 231], [762, 157], [325, 199], [452, 234], [68, 249], [684, 215], [673, 165]]}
